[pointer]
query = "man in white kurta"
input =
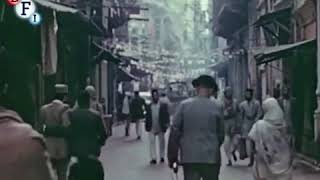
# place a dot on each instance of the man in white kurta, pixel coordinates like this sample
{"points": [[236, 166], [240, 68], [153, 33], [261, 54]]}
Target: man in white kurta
{"points": [[126, 113], [156, 131], [250, 112], [230, 117]]}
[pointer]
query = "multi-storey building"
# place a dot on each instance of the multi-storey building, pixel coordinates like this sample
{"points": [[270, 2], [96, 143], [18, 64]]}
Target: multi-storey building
{"points": [[236, 34]]}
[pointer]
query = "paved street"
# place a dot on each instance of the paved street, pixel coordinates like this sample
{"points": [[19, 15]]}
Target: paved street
{"points": [[126, 158]]}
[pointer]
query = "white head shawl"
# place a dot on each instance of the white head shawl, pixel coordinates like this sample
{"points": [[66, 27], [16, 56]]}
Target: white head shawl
{"points": [[271, 142], [273, 113]]}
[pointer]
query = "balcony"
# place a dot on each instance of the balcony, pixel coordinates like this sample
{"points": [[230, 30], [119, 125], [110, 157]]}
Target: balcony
{"points": [[232, 17]]}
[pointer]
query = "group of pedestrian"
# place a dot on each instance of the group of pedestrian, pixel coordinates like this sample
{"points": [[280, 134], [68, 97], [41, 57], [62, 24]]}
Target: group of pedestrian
{"points": [[202, 124], [62, 134], [72, 138], [76, 133], [156, 116]]}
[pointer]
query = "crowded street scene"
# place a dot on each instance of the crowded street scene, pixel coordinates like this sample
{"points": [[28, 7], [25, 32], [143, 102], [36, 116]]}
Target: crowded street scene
{"points": [[159, 89]]}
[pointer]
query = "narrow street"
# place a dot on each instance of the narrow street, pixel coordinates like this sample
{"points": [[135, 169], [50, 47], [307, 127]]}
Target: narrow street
{"points": [[226, 63], [126, 158]]}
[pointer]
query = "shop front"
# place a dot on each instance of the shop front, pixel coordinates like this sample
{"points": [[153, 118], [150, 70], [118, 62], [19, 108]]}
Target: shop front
{"points": [[299, 77]]}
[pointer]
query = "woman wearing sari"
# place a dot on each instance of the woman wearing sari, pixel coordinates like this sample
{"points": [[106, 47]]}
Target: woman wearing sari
{"points": [[273, 157]]}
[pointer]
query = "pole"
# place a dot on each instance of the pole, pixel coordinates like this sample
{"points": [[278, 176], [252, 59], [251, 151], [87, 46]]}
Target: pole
{"points": [[317, 111], [88, 12], [318, 51]]}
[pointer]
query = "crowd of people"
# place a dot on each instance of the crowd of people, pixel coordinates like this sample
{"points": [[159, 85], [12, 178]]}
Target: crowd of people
{"points": [[68, 139], [65, 143], [202, 124], [75, 133]]}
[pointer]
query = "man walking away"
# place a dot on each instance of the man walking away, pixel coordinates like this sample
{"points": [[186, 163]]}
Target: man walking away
{"points": [[22, 150], [94, 103], [86, 137], [107, 118], [250, 112], [126, 113], [137, 107], [157, 123], [54, 121], [164, 99], [97, 107], [198, 133], [230, 123], [285, 104]]}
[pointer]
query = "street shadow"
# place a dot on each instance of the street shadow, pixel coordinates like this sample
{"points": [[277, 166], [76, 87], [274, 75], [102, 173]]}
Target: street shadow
{"points": [[237, 166], [132, 141], [156, 167]]}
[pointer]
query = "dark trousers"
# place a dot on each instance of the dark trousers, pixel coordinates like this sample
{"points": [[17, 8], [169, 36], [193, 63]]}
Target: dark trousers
{"points": [[61, 167], [201, 171], [86, 169]]}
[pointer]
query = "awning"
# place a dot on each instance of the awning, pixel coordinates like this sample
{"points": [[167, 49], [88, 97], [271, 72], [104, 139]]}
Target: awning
{"points": [[105, 54], [269, 54], [226, 24], [270, 22], [270, 17], [139, 72], [125, 76], [75, 16], [83, 20], [221, 68], [128, 60], [56, 6]]}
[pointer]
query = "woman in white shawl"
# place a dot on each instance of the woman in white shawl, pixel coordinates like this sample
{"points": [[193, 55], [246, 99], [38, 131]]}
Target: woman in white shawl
{"points": [[273, 157]]}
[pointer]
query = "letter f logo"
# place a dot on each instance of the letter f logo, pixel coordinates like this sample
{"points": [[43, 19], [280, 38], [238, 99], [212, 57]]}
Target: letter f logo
{"points": [[25, 9]]}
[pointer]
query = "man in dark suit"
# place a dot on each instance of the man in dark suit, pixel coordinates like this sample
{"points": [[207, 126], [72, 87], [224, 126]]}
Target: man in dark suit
{"points": [[86, 137], [137, 106], [86, 131], [157, 123]]}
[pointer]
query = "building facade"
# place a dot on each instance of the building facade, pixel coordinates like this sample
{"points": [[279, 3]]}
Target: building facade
{"points": [[279, 41], [236, 35]]}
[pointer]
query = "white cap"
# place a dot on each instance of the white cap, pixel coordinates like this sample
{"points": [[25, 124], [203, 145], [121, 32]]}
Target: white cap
{"points": [[91, 90]]}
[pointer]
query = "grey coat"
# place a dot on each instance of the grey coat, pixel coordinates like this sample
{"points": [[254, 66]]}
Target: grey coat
{"points": [[197, 131]]}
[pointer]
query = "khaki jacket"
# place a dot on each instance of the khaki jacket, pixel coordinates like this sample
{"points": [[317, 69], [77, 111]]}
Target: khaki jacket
{"points": [[53, 115], [22, 150]]}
